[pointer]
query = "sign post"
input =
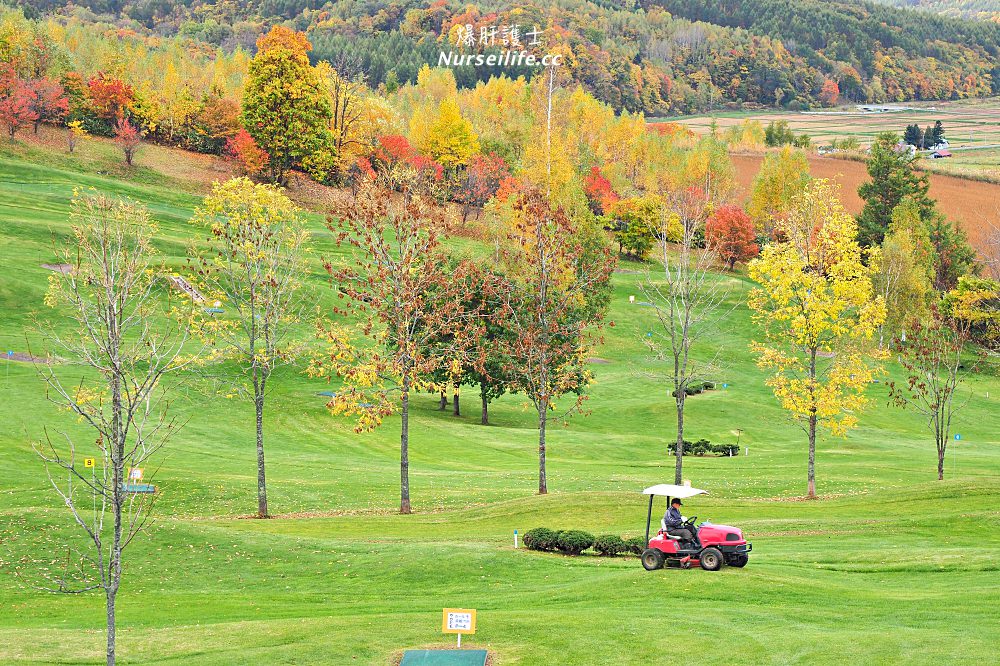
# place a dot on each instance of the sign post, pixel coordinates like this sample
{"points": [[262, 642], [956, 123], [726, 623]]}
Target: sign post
{"points": [[458, 621]]}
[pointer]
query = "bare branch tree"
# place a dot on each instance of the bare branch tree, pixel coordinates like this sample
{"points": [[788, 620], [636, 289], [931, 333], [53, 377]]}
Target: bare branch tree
{"points": [[687, 299], [931, 357], [117, 351]]}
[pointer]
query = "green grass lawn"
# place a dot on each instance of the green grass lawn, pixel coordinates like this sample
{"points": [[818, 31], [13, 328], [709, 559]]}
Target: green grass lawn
{"points": [[890, 566]]}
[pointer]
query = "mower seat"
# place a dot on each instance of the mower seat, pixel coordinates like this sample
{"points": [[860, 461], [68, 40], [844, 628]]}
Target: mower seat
{"points": [[663, 531]]}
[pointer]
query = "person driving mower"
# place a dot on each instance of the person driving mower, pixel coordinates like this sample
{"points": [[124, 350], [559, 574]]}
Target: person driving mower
{"points": [[673, 522]]}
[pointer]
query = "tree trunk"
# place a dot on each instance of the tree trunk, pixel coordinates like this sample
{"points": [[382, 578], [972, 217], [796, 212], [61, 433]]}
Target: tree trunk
{"points": [[111, 627], [261, 478], [543, 414], [443, 404], [404, 449], [679, 446], [812, 456], [940, 463], [486, 404], [112, 579], [812, 426], [457, 411]]}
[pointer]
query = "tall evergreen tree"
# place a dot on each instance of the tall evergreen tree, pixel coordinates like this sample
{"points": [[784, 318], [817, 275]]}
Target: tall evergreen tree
{"points": [[913, 136], [893, 178]]}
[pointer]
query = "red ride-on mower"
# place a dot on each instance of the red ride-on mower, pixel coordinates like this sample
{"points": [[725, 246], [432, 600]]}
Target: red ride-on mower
{"points": [[713, 545]]}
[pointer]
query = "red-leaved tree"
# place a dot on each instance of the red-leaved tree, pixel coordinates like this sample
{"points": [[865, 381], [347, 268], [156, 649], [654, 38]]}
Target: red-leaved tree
{"points": [[50, 102], [127, 138], [250, 158], [729, 232], [108, 97], [17, 98], [482, 180], [400, 167], [600, 194]]}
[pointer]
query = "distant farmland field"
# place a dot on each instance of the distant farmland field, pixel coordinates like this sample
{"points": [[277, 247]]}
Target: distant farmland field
{"points": [[972, 123], [973, 204]]}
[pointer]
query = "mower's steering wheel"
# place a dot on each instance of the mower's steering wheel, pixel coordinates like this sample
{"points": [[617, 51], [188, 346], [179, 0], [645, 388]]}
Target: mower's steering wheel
{"points": [[691, 520]]}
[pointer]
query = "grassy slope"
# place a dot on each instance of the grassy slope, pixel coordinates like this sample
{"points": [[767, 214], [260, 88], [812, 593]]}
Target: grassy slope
{"points": [[893, 566]]}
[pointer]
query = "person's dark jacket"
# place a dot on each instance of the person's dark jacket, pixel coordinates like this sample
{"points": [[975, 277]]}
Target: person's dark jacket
{"points": [[672, 518]]}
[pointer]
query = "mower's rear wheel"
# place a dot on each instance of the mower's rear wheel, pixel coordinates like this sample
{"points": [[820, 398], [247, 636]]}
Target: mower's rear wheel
{"points": [[711, 559], [739, 560], [652, 559]]}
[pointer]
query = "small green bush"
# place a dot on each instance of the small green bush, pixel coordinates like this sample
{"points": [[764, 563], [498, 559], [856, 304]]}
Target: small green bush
{"points": [[574, 542], [698, 448], [636, 545], [610, 545], [694, 388], [541, 538]]}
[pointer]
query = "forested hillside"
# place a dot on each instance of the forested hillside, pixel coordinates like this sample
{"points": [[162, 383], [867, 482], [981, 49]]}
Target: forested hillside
{"points": [[650, 56], [982, 10]]}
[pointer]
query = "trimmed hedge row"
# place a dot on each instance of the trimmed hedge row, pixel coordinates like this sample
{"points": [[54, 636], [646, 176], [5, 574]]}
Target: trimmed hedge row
{"points": [[703, 447], [570, 542], [574, 542]]}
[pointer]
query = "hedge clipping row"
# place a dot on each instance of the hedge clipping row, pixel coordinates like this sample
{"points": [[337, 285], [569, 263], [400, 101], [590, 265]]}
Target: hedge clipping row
{"points": [[574, 542]]}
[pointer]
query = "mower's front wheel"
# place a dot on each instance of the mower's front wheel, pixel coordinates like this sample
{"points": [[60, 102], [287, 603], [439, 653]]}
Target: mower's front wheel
{"points": [[711, 559], [652, 559]]}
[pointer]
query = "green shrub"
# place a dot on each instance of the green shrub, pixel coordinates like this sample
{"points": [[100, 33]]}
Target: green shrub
{"points": [[698, 448], [636, 545], [694, 388], [610, 545], [574, 542], [541, 538]]}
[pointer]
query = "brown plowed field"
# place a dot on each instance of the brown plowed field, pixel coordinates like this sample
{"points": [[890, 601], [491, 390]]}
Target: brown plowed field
{"points": [[973, 204]]}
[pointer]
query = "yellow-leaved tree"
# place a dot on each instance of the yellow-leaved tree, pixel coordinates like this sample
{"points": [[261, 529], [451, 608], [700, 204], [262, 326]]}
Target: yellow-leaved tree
{"points": [[782, 176], [818, 310], [446, 135], [254, 269]]}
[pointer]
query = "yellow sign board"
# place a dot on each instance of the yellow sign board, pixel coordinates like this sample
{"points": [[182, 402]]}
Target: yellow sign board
{"points": [[88, 462], [458, 621]]}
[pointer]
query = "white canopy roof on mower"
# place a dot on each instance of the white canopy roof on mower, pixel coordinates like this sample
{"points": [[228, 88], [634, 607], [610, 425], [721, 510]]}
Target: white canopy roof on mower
{"points": [[668, 490]]}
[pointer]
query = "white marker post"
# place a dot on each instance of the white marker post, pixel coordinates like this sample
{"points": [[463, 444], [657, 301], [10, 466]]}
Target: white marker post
{"points": [[515, 538]]}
